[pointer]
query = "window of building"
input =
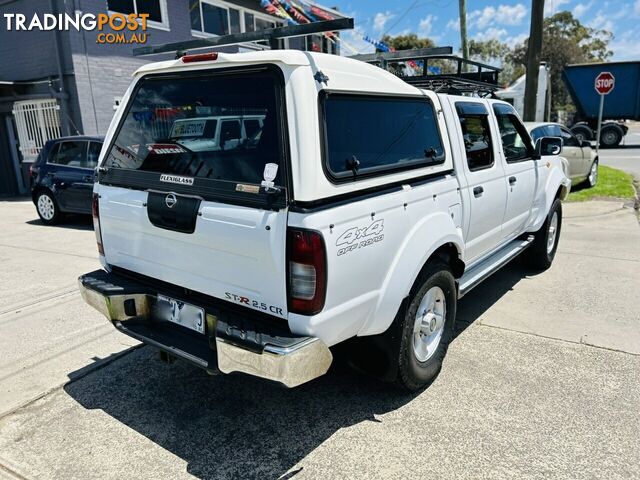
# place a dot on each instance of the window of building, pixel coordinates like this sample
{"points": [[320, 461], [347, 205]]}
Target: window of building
{"points": [[157, 10], [476, 133], [220, 18], [366, 135]]}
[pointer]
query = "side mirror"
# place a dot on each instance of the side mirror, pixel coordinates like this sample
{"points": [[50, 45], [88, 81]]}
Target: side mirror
{"points": [[548, 146], [585, 143]]}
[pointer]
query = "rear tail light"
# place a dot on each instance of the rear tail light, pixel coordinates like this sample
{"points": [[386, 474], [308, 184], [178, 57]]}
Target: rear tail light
{"points": [[200, 57], [95, 212], [307, 269]]}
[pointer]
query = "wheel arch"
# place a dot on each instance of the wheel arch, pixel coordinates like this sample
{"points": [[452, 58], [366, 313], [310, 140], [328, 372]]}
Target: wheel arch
{"points": [[444, 242]]}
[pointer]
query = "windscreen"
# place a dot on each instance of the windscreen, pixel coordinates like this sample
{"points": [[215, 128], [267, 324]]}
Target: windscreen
{"points": [[217, 126]]}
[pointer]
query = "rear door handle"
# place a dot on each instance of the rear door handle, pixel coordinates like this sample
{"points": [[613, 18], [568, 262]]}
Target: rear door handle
{"points": [[88, 178], [478, 191], [512, 180]]}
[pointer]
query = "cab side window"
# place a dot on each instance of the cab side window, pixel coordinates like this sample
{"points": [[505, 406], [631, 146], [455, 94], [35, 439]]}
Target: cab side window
{"points": [[474, 122], [515, 140]]}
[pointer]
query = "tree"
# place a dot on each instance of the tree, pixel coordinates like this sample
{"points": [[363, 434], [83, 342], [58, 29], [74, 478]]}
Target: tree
{"points": [[494, 52], [407, 42], [565, 41]]}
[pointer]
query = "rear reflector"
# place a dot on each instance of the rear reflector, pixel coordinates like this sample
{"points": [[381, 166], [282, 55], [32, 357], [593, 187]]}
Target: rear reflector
{"points": [[200, 57], [95, 213], [307, 269]]}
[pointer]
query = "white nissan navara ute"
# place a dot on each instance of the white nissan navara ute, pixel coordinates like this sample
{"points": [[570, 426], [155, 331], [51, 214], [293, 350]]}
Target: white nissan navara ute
{"points": [[362, 207]]}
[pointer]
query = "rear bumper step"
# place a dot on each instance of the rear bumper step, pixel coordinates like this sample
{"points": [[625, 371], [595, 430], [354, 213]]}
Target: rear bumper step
{"points": [[232, 342]]}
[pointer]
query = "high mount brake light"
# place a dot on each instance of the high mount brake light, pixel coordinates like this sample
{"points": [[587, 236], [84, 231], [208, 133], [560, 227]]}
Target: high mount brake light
{"points": [[307, 269], [95, 213], [200, 57]]}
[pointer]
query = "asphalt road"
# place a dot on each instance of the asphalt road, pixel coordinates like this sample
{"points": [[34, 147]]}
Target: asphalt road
{"points": [[541, 381], [627, 157]]}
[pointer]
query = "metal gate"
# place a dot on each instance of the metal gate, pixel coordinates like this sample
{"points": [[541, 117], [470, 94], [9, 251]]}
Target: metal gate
{"points": [[37, 122]]}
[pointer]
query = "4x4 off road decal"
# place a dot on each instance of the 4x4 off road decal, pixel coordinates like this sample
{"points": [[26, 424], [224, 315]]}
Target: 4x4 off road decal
{"points": [[356, 238]]}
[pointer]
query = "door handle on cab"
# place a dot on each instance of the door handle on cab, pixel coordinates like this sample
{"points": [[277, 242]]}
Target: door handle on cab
{"points": [[478, 191], [88, 178], [512, 180]]}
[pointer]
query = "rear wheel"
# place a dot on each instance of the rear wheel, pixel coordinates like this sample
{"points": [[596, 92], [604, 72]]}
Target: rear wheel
{"points": [[47, 208], [427, 327], [610, 136], [541, 253], [582, 132]]}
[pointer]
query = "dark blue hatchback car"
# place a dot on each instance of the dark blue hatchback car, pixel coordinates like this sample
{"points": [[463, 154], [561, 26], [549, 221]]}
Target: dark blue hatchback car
{"points": [[62, 177]]}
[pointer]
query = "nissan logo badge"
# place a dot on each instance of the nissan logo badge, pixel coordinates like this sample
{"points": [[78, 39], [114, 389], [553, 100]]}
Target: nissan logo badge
{"points": [[170, 200]]}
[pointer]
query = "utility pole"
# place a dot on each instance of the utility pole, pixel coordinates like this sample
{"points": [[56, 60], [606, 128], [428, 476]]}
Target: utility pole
{"points": [[534, 52], [463, 29]]}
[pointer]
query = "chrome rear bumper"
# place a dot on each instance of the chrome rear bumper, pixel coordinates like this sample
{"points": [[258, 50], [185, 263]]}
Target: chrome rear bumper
{"points": [[287, 359]]}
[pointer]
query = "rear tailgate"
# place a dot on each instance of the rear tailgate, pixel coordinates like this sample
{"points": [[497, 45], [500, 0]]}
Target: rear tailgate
{"points": [[205, 211], [235, 253]]}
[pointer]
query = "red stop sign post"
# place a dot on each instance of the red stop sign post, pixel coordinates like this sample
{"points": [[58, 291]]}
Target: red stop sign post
{"points": [[605, 81]]}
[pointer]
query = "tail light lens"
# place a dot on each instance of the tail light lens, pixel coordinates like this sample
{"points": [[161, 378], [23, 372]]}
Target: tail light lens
{"points": [[307, 268], [95, 212]]}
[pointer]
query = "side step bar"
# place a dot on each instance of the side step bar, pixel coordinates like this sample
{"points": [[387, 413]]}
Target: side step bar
{"points": [[487, 267]]}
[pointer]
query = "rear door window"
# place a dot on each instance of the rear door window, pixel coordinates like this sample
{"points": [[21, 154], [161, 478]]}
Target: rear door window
{"points": [[476, 133], [94, 153], [189, 125], [71, 153], [368, 135]]}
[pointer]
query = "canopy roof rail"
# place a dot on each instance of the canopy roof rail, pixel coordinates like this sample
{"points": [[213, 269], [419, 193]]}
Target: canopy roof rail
{"points": [[272, 35]]}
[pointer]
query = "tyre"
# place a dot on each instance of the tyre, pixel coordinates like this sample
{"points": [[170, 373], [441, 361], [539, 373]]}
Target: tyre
{"points": [[592, 179], [610, 136], [427, 327], [582, 132], [47, 208], [541, 253]]}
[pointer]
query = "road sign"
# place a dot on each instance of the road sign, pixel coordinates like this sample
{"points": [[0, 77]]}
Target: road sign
{"points": [[605, 81]]}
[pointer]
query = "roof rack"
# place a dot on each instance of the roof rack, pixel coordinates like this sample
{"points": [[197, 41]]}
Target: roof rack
{"points": [[469, 76], [272, 35]]}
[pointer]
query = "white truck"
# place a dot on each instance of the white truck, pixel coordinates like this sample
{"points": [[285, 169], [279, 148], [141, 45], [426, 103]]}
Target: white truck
{"points": [[365, 210]]}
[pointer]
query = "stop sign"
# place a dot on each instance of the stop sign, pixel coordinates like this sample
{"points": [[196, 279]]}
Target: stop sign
{"points": [[605, 82]]}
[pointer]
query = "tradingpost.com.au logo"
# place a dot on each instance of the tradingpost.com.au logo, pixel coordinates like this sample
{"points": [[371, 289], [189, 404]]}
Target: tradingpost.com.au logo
{"points": [[127, 29]]}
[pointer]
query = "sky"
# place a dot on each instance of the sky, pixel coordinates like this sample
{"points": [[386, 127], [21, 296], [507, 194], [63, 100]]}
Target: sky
{"points": [[506, 20]]}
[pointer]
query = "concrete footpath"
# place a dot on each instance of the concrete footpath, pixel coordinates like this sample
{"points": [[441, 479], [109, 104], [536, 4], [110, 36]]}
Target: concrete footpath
{"points": [[542, 381]]}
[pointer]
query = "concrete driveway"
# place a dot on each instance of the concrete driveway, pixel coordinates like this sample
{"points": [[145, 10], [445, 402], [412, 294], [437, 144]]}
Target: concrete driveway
{"points": [[542, 380]]}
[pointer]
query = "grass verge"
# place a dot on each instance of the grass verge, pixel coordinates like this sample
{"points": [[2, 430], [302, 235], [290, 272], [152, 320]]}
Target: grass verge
{"points": [[612, 183]]}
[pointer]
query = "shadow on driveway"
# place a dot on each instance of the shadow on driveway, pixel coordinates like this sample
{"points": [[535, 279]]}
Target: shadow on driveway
{"points": [[241, 427], [71, 221]]}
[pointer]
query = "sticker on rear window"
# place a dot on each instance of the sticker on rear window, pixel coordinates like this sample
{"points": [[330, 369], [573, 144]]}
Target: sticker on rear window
{"points": [[242, 187], [191, 128], [164, 149], [176, 179], [270, 172]]}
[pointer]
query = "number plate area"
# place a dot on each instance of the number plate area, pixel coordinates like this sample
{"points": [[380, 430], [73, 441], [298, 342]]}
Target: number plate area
{"points": [[175, 311]]}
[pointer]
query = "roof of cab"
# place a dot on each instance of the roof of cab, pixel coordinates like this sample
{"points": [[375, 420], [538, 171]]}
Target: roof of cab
{"points": [[342, 71]]}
